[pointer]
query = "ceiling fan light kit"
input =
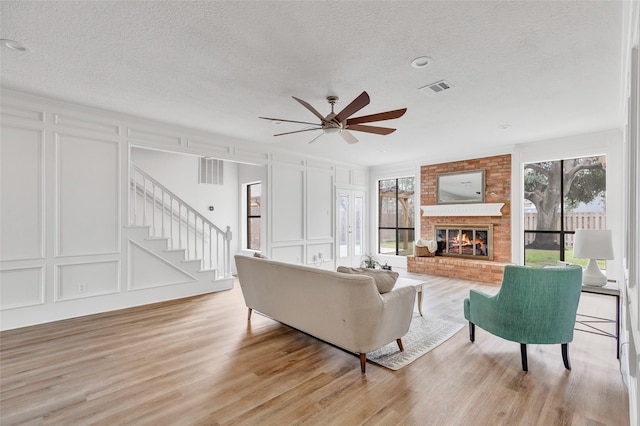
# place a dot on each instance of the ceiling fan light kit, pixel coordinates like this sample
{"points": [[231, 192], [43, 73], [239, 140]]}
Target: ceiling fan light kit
{"points": [[341, 122]]}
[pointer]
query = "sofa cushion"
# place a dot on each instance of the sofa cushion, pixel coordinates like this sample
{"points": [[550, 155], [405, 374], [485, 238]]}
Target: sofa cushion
{"points": [[385, 280]]}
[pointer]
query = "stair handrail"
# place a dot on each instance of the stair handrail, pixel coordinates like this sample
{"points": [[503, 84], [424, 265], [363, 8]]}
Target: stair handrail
{"points": [[227, 234]]}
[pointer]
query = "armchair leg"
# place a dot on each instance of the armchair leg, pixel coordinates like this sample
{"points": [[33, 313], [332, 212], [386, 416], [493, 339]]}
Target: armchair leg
{"points": [[363, 362], [472, 332], [565, 356], [523, 355], [399, 342]]}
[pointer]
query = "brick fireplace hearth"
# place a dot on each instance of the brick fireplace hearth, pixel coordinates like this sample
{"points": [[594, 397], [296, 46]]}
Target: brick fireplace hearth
{"points": [[497, 190]]}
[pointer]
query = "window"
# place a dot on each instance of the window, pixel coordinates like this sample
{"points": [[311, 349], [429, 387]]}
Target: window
{"points": [[560, 197], [254, 214], [396, 232]]}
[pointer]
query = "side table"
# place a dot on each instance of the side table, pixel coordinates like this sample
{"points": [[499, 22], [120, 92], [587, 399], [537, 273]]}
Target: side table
{"points": [[408, 282], [610, 289]]}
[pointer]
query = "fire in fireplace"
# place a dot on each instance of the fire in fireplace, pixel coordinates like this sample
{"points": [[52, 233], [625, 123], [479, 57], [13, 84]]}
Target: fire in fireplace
{"points": [[468, 241]]}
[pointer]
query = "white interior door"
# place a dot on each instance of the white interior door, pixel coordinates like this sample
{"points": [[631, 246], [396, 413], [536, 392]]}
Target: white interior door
{"points": [[350, 227]]}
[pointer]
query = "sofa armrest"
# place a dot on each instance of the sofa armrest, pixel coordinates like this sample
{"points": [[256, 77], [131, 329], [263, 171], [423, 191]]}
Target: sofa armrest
{"points": [[396, 313]]}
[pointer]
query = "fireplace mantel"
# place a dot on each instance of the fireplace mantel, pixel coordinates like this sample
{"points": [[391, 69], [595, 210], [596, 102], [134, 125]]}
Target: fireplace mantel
{"points": [[484, 209]]}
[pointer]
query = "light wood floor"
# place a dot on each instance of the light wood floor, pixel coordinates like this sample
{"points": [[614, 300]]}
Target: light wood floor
{"points": [[198, 361]]}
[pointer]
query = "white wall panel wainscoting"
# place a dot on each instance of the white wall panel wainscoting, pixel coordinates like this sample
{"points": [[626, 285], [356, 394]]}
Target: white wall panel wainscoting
{"points": [[67, 248]]}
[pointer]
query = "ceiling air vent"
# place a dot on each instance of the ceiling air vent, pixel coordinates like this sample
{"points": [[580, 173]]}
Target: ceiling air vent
{"points": [[437, 87]]}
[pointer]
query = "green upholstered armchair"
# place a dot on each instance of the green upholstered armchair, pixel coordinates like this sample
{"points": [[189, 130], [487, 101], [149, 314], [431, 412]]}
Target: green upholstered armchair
{"points": [[534, 305]]}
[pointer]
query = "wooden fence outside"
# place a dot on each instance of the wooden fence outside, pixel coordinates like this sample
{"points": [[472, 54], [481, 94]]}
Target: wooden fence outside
{"points": [[572, 221]]}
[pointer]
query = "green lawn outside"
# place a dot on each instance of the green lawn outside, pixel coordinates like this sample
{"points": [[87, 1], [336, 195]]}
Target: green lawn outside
{"points": [[535, 257], [390, 247]]}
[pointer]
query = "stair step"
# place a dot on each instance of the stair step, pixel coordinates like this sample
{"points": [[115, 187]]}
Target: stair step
{"points": [[160, 242], [176, 255]]}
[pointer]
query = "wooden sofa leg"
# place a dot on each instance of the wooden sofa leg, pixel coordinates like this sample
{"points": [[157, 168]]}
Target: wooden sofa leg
{"points": [[249, 314], [523, 355], [399, 342], [472, 332], [565, 356], [363, 362]]}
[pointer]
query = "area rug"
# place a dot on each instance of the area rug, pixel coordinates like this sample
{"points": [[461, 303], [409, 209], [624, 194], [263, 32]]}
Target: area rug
{"points": [[425, 333]]}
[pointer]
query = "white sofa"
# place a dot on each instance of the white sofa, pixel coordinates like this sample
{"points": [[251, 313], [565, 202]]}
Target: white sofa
{"points": [[345, 310]]}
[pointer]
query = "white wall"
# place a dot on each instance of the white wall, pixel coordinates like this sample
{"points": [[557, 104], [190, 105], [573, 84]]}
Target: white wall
{"points": [[631, 280], [64, 172], [179, 173], [65, 247], [301, 210]]}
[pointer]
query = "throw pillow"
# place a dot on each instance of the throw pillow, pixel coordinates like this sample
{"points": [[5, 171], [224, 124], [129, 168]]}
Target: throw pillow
{"points": [[385, 280], [260, 255]]}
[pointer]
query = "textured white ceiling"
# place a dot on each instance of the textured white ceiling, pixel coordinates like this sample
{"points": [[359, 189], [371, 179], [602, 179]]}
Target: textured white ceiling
{"points": [[547, 69]]}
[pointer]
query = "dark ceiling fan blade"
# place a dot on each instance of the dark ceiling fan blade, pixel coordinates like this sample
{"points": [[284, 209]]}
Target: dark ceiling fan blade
{"points": [[348, 137], [290, 121], [316, 138], [356, 105], [297, 131], [371, 129], [381, 116], [310, 108]]}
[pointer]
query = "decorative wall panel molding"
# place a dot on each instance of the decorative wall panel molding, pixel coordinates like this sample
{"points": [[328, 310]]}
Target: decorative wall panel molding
{"points": [[86, 124], [251, 157], [287, 159], [359, 177], [320, 165], [487, 209], [172, 141], [320, 210], [21, 287], [21, 194], [147, 270], [22, 113], [289, 254], [210, 148], [87, 196], [287, 207], [75, 281], [343, 176]]}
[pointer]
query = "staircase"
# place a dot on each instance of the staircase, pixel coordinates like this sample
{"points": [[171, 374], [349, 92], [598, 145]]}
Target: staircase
{"points": [[170, 242]]}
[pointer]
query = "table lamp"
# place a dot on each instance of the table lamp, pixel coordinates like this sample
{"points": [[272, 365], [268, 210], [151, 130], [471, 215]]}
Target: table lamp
{"points": [[593, 244]]}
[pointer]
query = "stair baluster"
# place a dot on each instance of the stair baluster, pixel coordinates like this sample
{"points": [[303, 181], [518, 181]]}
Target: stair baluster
{"points": [[170, 207]]}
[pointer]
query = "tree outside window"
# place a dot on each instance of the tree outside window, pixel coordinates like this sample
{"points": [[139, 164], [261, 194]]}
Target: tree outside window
{"points": [[396, 229], [560, 197]]}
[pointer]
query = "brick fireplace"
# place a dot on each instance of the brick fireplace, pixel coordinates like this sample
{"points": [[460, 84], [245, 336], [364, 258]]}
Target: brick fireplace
{"points": [[497, 190]]}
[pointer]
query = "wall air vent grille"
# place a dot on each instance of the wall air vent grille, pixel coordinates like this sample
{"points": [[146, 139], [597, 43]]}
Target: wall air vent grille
{"points": [[437, 87], [210, 171]]}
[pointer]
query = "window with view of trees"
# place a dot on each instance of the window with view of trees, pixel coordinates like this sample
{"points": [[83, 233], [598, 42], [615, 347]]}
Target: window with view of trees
{"points": [[254, 214], [396, 231], [560, 197]]}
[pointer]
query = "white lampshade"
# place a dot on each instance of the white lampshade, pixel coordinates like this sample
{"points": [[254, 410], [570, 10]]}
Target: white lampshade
{"points": [[593, 244]]}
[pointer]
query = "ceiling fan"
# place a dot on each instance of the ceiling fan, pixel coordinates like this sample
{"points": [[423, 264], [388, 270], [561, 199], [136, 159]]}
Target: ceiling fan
{"points": [[341, 123]]}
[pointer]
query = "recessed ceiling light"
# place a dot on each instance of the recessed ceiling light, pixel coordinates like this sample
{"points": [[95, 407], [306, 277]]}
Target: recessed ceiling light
{"points": [[12, 44], [421, 62]]}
